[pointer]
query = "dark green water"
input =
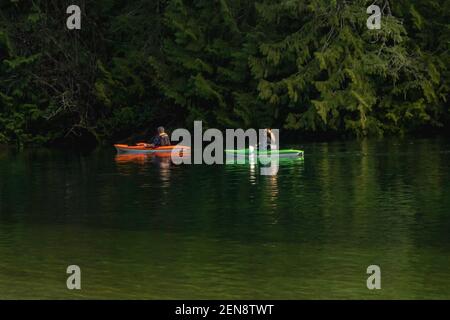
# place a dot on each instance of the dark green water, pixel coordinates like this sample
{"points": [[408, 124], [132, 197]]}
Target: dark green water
{"points": [[147, 229]]}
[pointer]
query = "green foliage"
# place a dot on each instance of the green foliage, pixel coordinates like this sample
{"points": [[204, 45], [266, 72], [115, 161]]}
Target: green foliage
{"points": [[335, 74], [203, 68], [306, 66]]}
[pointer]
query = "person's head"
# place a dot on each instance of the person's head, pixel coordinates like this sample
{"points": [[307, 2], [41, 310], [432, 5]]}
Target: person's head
{"points": [[160, 130]]}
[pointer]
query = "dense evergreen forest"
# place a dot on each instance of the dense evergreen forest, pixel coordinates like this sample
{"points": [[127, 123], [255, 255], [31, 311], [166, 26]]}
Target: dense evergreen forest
{"points": [[309, 67]]}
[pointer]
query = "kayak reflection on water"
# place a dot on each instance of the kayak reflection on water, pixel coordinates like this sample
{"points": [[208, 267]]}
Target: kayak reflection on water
{"points": [[123, 158], [165, 163], [143, 158], [128, 164]]}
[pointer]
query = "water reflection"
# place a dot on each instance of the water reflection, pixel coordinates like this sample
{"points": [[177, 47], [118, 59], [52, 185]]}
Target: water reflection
{"points": [[164, 164], [129, 164], [253, 167], [154, 229], [126, 158]]}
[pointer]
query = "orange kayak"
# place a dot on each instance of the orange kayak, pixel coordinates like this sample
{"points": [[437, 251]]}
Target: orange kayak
{"points": [[141, 148]]}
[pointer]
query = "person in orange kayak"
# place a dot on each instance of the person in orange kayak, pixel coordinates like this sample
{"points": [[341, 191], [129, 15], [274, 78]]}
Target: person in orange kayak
{"points": [[161, 139]]}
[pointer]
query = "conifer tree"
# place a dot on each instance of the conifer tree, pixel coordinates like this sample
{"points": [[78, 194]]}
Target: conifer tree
{"points": [[320, 65], [203, 67]]}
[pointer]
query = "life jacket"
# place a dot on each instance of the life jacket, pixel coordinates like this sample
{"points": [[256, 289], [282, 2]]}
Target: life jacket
{"points": [[164, 139]]}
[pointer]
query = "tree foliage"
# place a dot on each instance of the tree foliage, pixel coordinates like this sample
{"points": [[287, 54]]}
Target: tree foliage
{"points": [[308, 66]]}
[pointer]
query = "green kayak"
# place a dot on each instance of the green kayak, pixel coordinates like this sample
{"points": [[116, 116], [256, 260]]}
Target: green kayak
{"points": [[283, 153]]}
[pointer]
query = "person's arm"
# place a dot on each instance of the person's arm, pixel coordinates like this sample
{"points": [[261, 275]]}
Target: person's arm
{"points": [[156, 141]]}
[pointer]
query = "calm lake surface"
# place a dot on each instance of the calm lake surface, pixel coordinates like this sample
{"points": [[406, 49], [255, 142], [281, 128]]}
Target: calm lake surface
{"points": [[143, 228]]}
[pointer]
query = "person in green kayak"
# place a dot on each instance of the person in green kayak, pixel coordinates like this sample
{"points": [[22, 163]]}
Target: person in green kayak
{"points": [[271, 140], [160, 140]]}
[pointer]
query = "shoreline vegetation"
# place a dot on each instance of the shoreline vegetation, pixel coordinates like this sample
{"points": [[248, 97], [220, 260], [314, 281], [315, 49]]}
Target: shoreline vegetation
{"points": [[311, 68]]}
